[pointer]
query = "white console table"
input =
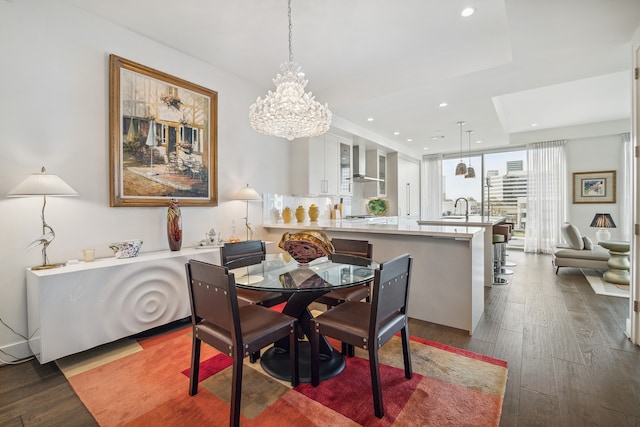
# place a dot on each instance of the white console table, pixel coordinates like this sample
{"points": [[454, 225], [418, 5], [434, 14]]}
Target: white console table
{"points": [[84, 305]]}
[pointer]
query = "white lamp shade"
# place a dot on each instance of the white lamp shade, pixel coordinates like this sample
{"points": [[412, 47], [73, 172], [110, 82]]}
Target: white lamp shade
{"points": [[247, 193], [42, 184]]}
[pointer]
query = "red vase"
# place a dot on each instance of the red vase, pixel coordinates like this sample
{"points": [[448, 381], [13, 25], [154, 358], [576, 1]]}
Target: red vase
{"points": [[174, 225]]}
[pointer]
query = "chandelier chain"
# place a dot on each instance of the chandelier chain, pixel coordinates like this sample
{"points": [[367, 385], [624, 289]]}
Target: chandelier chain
{"points": [[290, 37]]}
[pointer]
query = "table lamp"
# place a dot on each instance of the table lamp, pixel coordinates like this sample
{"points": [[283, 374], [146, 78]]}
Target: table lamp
{"points": [[43, 184], [602, 221], [247, 193]]}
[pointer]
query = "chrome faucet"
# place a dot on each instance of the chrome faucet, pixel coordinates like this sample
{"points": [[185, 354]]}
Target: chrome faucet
{"points": [[466, 211]]}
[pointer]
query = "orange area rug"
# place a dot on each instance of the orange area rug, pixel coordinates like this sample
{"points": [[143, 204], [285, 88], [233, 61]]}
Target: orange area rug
{"points": [[145, 383]]}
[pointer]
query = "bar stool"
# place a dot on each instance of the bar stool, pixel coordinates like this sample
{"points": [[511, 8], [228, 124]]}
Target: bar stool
{"points": [[506, 263], [498, 248], [505, 231]]}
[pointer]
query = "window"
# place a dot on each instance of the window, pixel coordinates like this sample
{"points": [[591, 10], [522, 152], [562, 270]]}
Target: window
{"points": [[499, 189]]}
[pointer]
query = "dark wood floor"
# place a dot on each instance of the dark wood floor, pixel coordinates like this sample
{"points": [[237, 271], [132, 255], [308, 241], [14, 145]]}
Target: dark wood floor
{"points": [[570, 363]]}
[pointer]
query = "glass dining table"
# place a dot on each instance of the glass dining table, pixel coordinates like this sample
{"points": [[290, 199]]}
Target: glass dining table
{"points": [[303, 284]]}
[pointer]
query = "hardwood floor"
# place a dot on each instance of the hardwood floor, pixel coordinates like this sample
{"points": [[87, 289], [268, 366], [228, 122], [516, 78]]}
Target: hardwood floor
{"points": [[570, 363]]}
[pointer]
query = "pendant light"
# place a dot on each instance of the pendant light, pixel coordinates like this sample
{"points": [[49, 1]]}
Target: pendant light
{"points": [[471, 172], [461, 168], [289, 112]]}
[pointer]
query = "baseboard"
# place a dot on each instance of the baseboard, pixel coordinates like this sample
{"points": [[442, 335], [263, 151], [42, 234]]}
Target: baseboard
{"points": [[11, 353]]}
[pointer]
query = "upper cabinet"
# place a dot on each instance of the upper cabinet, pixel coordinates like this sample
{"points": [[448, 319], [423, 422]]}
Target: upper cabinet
{"points": [[377, 168], [318, 166], [345, 184]]}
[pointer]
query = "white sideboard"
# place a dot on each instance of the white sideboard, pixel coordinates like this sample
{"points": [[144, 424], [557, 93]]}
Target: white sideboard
{"points": [[84, 305]]}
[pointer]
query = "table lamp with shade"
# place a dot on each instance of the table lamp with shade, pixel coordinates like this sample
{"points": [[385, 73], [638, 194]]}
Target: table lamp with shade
{"points": [[247, 193], [602, 221], [43, 184]]}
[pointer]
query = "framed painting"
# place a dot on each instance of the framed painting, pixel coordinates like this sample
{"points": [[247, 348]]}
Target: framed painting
{"points": [[163, 138], [594, 187]]}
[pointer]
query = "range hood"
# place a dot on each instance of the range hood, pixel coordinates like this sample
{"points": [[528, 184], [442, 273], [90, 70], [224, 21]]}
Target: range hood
{"points": [[359, 166]]}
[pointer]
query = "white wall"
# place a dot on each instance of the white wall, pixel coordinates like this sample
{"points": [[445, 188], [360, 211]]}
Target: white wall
{"points": [[587, 155], [54, 113]]}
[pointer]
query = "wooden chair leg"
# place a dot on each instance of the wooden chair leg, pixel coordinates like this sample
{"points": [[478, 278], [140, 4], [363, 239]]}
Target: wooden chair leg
{"points": [[236, 390], [293, 350], [195, 366], [348, 350], [376, 386], [406, 352], [315, 355]]}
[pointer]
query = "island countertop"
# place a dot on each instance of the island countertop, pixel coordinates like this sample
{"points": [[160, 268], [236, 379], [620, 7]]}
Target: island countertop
{"points": [[385, 225], [473, 220]]}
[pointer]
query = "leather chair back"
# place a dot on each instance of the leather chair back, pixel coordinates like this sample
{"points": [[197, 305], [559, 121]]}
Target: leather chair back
{"points": [[361, 248], [242, 254], [214, 301], [390, 295]]}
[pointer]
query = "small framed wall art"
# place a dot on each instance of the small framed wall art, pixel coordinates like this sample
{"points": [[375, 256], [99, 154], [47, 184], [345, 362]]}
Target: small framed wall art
{"points": [[163, 138], [594, 187]]}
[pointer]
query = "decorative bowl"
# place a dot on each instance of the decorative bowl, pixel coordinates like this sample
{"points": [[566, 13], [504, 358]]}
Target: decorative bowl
{"points": [[126, 249], [306, 246]]}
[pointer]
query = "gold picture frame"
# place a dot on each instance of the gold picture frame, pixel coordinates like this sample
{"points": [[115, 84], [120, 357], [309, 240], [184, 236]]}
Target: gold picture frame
{"points": [[163, 138], [594, 187]]}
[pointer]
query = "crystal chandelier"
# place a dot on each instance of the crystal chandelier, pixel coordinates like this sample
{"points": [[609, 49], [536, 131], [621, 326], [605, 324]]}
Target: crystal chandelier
{"points": [[471, 172], [461, 168], [289, 112]]}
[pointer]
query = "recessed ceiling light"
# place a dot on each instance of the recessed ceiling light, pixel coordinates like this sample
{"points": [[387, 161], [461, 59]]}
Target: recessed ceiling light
{"points": [[468, 11], [478, 142], [409, 140], [396, 133], [425, 148], [443, 104], [534, 124], [370, 119]]}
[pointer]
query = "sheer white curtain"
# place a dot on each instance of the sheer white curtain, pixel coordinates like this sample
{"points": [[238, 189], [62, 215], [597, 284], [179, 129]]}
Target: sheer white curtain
{"points": [[432, 190], [546, 195], [626, 164]]}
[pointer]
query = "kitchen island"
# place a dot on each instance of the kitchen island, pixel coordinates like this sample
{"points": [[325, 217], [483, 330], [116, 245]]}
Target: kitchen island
{"points": [[475, 221], [447, 281]]}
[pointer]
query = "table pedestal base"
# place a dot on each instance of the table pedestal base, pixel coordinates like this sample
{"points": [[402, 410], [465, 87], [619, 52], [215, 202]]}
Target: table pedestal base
{"points": [[275, 361], [618, 263], [619, 266]]}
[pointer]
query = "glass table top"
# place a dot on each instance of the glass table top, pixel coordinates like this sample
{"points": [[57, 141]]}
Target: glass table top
{"points": [[280, 272]]}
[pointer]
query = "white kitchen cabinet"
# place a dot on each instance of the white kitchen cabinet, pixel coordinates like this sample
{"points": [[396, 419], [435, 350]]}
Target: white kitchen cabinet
{"points": [[345, 170], [315, 165], [377, 168], [403, 185]]}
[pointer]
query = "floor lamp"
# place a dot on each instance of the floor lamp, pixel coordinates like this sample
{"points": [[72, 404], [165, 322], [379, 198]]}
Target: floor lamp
{"points": [[43, 184], [247, 193]]}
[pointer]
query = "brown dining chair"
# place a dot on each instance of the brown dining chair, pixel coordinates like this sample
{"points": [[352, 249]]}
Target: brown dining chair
{"points": [[360, 248], [243, 254], [234, 330], [370, 326]]}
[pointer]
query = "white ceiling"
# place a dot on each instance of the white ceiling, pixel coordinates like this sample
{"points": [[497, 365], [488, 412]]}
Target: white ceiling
{"points": [[555, 63]]}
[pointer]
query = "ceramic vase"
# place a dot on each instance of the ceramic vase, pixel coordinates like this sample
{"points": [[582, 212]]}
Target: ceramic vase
{"points": [[286, 215], [174, 225], [314, 212], [300, 213]]}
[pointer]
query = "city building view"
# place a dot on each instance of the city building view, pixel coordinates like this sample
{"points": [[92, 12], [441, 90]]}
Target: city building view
{"points": [[499, 188]]}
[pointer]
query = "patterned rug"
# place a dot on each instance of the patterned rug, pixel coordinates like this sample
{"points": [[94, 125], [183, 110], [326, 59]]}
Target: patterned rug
{"points": [[145, 383]]}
